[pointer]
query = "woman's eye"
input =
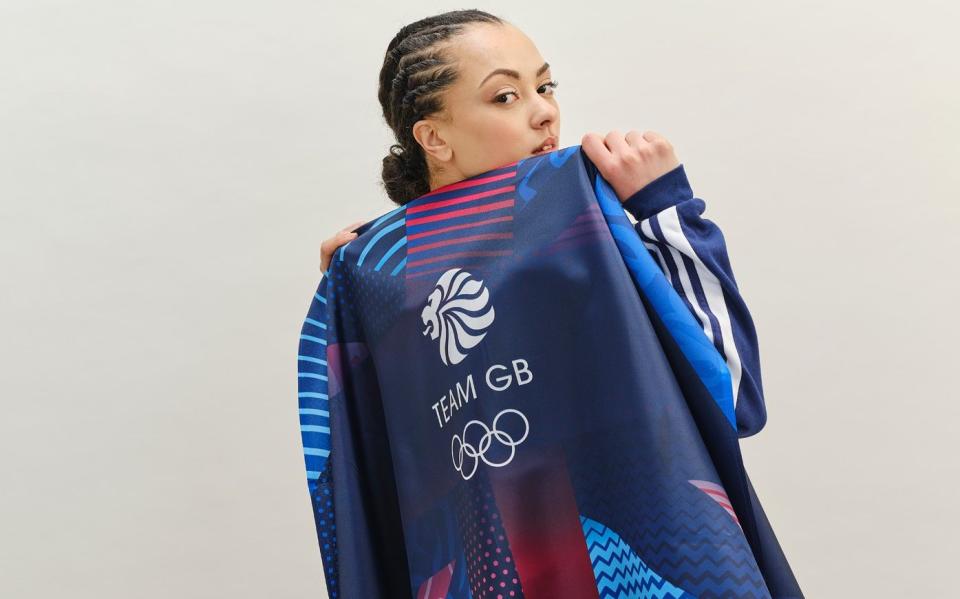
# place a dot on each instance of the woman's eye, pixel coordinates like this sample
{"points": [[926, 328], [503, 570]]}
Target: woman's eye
{"points": [[550, 84]]}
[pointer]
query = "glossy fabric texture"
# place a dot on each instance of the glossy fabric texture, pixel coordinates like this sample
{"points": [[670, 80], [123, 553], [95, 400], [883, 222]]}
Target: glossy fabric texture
{"points": [[509, 389]]}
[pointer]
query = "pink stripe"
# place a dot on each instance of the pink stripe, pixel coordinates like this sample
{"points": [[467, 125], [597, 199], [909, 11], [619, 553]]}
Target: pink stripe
{"points": [[706, 484], [458, 240], [478, 223], [465, 184], [462, 212], [442, 581], [581, 228], [714, 493], [460, 199]]}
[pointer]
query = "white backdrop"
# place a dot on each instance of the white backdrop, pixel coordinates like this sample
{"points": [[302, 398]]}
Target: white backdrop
{"points": [[168, 170]]}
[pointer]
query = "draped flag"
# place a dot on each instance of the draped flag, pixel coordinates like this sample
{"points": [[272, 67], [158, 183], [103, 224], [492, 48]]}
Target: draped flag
{"points": [[508, 389]]}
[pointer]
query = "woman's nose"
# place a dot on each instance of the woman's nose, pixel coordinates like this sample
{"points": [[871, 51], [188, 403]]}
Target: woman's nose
{"points": [[546, 111]]}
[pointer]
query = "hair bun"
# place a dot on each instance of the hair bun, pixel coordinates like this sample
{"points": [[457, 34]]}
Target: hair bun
{"points": [[417, 69], [399, 151]]}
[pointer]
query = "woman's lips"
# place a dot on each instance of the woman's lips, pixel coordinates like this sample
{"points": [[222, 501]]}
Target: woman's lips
{"points": [[549, 148], [550, 143]]}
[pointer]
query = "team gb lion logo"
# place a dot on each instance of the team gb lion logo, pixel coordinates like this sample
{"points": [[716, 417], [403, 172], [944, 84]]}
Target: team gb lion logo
{"points": [[458, 311]]}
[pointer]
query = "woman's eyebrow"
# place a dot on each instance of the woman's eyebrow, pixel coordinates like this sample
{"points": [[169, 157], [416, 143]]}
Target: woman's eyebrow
{"points": [[513, 73]]}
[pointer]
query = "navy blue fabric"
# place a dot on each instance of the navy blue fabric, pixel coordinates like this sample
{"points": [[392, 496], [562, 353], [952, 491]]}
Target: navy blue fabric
{"points": [[698, 256], [506, 387]]}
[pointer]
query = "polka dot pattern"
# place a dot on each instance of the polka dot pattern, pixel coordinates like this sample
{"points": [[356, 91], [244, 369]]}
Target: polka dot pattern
{"points": [[327, 530], [490, 565]]}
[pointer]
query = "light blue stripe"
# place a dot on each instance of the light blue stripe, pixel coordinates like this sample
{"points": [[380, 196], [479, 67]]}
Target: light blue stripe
{"points": [[314, 360], [311, 375], [316, 451], [320, 297], [312, 412], [399, 244], [312, 394], [313, 474], [314, 339], [316, 323], [385, 217], [312, 428], [377, 237], [399, 267]]}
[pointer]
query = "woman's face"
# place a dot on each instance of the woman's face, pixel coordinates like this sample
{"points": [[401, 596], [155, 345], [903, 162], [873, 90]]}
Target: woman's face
{"points": [[491, 118]]}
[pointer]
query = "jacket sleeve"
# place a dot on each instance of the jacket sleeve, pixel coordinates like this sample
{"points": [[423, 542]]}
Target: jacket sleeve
{"points": [[692, 253], [315, 431], [346, 453]]}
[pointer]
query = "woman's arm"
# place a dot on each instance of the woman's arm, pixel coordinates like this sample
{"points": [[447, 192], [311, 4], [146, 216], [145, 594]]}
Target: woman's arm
{"points": [[349, 471], [693, 255]]}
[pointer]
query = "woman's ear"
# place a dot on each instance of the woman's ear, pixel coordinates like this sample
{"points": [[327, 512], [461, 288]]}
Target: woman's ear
{"points": [[428, 134]]}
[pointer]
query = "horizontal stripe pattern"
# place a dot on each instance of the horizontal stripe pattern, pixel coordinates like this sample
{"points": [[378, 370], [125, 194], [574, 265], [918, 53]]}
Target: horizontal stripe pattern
{"points": [[462, 224], [312, 387]]}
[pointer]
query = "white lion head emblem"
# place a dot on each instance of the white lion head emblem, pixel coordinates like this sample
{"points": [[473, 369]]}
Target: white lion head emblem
{"points": [[457, 312]]}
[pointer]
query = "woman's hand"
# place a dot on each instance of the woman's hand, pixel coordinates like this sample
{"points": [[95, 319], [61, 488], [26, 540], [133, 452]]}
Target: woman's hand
{"points": [[330, 245], [628, 162]]}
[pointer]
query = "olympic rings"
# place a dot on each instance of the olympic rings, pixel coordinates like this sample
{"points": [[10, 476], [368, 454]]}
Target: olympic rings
{"points": [[478, 452]]}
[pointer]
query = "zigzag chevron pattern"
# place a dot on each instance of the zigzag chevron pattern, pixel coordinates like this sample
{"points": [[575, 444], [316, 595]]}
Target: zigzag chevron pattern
{"points": [[679, 530], [620, 573]]}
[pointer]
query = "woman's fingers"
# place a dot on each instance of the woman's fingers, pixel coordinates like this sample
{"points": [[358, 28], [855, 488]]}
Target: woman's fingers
{"points": [[637, 139], [617, 144], [330, 245], [656, 139], [597, 151], [629, 162]]}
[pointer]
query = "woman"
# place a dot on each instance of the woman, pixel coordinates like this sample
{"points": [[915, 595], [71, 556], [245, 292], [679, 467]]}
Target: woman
{"points": [[466, 92], [458, 116], [449, 128]]}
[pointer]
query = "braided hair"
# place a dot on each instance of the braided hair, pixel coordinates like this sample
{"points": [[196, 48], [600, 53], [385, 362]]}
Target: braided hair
{"points": [[415, 71]]}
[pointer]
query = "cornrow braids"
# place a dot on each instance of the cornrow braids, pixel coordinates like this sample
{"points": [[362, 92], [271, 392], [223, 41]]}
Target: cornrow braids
{"points": [[416, 69]]}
